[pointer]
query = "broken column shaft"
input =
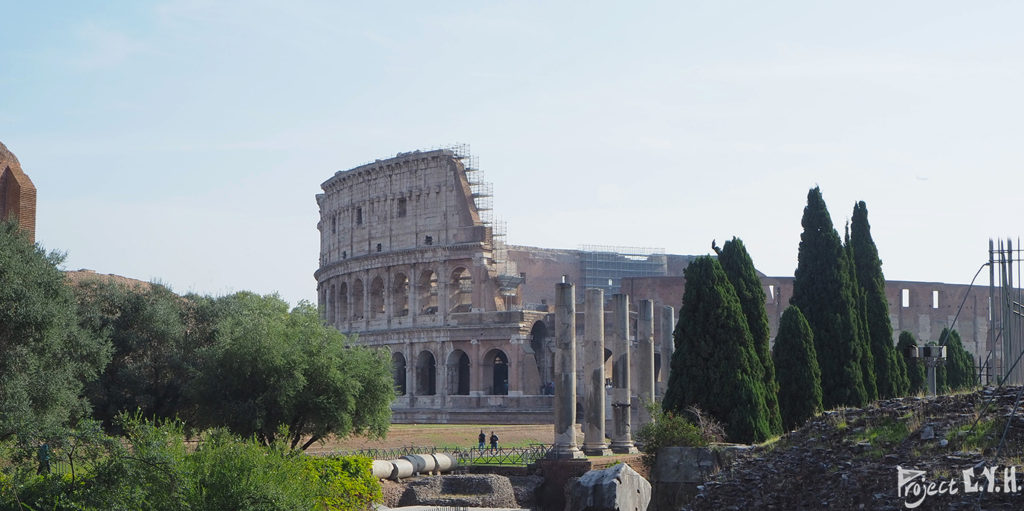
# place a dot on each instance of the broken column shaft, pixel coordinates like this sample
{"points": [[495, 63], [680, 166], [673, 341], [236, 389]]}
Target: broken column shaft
{"points": [[565, 373], [593, 370], [622, 437]]}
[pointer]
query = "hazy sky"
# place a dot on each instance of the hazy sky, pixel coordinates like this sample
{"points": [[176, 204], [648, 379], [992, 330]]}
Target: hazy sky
{"points": [[184, 141]]}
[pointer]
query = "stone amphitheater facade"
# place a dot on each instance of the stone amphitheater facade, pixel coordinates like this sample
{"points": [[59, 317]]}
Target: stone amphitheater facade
{"points": [[410, 263]]}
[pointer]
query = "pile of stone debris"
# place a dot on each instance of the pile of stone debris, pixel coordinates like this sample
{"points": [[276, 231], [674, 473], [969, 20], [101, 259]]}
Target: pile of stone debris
{"points": [[896, 454]]}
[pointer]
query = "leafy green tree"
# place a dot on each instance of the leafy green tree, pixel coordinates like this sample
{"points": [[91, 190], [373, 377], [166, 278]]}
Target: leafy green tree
{"points": [[960, 372], [797, 365], [915, 369], [152, 357], [716, 367], [269, 367], [44, 356], [824, 293], [889, 367], [739, 267]]}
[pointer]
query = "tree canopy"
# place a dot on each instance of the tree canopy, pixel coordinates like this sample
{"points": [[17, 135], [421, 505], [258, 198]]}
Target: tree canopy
{"points": [[797, 364], [889, 368], [153, 355], [959, 363], [739, 268], [823, 291], [44, 356], [715, 366], [269, 367]]}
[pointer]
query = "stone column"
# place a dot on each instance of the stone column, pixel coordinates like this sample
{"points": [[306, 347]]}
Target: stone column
{"points": [[622, 437], [645, 362], [593, 370], [668, 317], [565, 373]]}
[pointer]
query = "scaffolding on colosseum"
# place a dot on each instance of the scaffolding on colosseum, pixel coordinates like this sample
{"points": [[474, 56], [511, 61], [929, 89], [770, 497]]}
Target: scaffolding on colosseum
{"points": [[483, 199], [1007, 309], [604, 267]]}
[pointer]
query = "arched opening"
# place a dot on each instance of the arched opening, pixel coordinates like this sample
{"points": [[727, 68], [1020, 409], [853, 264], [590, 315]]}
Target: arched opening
{"points": [[401, 295], [495, 372], [376, 297], [460, 291], [427, 292], [357, 299], [398, 372], [332, 304], [426, 374], [343, 301], [608, 366], [538, 342], [458, 373]]}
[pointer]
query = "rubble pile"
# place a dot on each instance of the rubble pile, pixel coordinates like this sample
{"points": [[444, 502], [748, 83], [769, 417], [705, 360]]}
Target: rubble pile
{"points": [[896, 454]]}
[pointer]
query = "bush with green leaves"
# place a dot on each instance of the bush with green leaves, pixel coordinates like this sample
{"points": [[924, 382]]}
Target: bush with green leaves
{"points": [[151, 468], [667, 429], [799, 374], [346, 482]]}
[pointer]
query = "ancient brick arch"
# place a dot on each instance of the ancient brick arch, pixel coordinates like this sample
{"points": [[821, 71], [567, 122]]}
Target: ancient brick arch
{"points": [[17, 194]]}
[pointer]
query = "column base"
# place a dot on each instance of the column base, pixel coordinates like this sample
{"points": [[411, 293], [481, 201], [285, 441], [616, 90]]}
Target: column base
{"points": [[564, 452], [597, 450], [624, 448]]}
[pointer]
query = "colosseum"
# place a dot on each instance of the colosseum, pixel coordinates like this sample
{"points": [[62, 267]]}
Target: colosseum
{"points": [[411, 261]]}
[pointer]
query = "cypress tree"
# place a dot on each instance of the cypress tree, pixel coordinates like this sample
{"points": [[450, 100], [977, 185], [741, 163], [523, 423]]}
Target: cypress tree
{"points": [[715, 366], [798, 372], [867, 361], [889, 368], [823, 292], [959, 362], [739, 268], [915, 369]]}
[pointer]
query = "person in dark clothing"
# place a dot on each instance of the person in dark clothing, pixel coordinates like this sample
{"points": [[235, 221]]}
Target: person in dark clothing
{"points": [[482, 438], [494, 441]]}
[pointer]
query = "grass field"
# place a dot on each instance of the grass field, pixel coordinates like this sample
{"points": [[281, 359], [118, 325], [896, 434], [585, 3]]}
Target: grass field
{"points": [[448, 435]]}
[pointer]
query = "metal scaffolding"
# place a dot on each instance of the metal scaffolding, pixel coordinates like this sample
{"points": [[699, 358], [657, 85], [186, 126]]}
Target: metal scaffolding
{"points": [[604, 267], [1007, 313]]}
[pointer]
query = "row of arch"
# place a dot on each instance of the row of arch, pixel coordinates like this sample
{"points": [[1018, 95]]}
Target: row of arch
{"points": [[495, 367], [343, 302]]}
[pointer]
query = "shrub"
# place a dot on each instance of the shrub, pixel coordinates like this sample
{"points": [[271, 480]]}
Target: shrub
{"points": [[346, 482], [667, 429]]}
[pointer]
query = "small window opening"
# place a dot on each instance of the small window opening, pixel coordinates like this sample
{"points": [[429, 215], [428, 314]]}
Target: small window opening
{"points": [[378, 247], [401, 207], [906, 298], [935, 299], [359, 216], [429, 240], [771, 293], [344, 254], [334, 224]]}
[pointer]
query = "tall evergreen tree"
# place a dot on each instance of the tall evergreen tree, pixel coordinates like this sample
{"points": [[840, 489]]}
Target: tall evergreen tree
{"points": [[915, 369], [960, 372], [798, 372], [739, 268], [867, 361], [823, 292], [889, 368], [715, 366]]}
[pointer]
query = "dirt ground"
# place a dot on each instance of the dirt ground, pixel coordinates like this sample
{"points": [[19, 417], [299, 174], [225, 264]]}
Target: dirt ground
{"points": [[447, 435]]}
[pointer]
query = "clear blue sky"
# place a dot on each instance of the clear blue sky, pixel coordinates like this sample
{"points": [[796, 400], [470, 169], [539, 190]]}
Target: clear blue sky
{"points": [[184, 141]]}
